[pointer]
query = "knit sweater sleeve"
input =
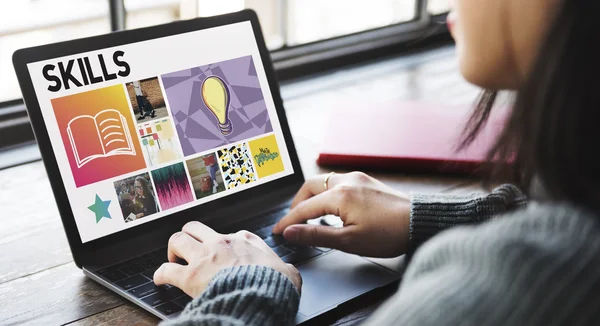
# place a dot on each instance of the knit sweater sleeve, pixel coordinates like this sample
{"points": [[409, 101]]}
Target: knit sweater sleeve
{"points": [[433, 213], [536, 266], [257, 295], [243, 295]]}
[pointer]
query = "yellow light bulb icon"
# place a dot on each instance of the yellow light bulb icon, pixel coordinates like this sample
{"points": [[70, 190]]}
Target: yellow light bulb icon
{"points": [[215, 95]]}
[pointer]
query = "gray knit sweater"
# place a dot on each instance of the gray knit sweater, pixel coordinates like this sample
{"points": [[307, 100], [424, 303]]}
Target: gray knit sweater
{"points": [[537, 265]]}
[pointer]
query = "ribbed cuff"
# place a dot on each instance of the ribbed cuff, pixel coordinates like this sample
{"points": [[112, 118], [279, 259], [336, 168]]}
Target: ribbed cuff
{"points": [[252, 295], [433, 213]]}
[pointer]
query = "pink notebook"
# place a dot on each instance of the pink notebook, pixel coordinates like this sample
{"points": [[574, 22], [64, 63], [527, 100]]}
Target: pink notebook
{"points": [[405, 136]]}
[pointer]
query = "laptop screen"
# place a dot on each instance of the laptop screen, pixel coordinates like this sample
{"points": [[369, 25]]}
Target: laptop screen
{"points": [[145, 130]]}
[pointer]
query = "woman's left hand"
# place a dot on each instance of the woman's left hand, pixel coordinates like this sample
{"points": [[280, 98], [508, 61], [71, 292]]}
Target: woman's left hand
{"points": [[207, 252]]}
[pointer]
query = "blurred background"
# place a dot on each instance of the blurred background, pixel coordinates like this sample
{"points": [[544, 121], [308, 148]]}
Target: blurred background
{"points": [[286, 23], [305, 37]]}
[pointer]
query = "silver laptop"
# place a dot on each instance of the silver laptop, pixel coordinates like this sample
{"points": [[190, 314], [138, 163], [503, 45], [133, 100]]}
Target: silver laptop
{"points": [[144, 130]]}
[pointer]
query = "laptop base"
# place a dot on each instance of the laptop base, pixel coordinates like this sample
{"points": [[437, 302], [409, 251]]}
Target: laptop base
{"points": [[344, 276]]}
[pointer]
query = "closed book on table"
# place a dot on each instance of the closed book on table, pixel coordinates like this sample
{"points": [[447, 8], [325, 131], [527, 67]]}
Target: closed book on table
{"points": [[406, 136]]}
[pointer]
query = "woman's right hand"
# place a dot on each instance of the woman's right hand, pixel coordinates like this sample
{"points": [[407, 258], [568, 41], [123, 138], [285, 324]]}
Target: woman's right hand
{"points": [[376, 217]]}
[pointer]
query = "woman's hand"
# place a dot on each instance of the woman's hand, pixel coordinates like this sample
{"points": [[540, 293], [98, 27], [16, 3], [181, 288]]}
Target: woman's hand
{"points": [[208, 252], [376, 218]]}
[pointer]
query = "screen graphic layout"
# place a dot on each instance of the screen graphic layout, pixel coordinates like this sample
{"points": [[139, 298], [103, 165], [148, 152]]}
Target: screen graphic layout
{"points": [[144, 130]]}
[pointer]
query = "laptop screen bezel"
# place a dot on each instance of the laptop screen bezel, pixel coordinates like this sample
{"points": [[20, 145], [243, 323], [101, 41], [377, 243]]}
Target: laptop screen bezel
{"points": [[81, 251]]}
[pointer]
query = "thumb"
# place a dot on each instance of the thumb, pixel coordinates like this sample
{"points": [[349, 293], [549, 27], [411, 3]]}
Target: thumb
{"points": [[317, 235]]}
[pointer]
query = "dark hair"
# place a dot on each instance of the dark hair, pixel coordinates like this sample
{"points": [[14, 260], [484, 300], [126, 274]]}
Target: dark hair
{"points": [[554, 125], [145, 186]]}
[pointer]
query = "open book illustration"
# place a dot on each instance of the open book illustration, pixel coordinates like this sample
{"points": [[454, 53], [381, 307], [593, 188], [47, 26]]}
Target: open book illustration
{"points": [[103, 135]]}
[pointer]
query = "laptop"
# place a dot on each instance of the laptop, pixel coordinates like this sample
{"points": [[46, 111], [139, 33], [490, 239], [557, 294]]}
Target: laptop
{"points": [[144, 130]]}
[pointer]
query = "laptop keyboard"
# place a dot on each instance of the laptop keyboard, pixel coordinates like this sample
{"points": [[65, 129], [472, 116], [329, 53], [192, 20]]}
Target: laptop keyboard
{"points": [[135, 276]]}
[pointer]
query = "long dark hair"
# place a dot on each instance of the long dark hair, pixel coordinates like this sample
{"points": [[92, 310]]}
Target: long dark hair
{"points": [[145, 186], [555, 121]]}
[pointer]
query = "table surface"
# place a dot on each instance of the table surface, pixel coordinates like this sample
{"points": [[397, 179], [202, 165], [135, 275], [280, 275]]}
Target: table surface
{"points": [[39, 283]]}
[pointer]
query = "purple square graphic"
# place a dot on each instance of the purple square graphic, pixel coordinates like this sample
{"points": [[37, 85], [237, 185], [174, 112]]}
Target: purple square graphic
{"points": [[197, 127]]}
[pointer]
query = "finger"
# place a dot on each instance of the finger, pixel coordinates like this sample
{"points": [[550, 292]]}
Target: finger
{"points": [[307, 190], [200, 231], [169, 273], [182, 245], [318, 235], [314, 186], [317, 206]]}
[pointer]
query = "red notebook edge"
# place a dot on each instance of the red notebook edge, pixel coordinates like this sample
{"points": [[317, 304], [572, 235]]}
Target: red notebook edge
{"points": [[408, 165], [416, 117]]}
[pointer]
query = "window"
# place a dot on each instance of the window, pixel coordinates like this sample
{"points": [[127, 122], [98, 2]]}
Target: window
{"points": [[314, 20], [28, 23], [436, 7], [303, 35], [286, 23], [142, 13]]}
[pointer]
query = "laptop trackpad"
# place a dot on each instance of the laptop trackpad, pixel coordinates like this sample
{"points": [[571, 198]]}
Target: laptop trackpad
{"points": [[336, 278]]}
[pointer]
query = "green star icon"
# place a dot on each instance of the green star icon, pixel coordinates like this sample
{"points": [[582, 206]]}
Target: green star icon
{"points": [[100, 208]]}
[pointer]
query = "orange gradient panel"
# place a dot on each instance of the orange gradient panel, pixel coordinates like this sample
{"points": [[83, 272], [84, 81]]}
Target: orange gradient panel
{"points": [[98, 133]]}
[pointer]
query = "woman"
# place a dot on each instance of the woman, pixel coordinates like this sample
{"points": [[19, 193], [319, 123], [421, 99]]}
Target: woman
{"points": [[144, 198], [534, 264]]}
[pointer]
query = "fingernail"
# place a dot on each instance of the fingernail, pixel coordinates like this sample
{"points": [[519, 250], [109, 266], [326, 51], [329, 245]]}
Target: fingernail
{"points": [[291, 234]]}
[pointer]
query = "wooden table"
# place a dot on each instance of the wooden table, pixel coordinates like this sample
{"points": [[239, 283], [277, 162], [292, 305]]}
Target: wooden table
{"points": [[40, 285]]}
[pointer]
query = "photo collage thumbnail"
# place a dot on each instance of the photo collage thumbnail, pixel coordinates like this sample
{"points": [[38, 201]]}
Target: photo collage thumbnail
{"points": [[205, 175], [137, 197], [185, 135]]}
